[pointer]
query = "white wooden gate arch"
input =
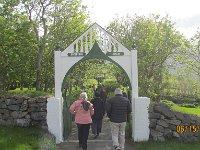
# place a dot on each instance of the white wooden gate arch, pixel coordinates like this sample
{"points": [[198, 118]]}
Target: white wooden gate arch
{"points": [[96, 42]]}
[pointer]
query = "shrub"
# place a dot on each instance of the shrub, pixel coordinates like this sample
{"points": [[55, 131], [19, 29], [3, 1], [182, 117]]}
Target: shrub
{"points": [[182, 98], [90, 82], [110, 85], [27, 92], [75, 93], [188, 105], [169, 103], [90, 93]]}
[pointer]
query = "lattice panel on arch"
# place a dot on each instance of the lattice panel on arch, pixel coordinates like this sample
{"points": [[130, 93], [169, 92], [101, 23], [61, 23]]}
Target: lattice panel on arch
{"points": [[84, 43]]}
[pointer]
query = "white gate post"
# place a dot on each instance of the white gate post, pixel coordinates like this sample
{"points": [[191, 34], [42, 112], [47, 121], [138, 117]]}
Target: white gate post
{"points": [[140, 120], [54, 104], [54, 118], [134, 73], [58, 73]]}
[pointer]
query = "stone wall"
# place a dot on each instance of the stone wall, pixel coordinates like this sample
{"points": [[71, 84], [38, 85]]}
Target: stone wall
{"points": [[168, 124], [23, 111]]}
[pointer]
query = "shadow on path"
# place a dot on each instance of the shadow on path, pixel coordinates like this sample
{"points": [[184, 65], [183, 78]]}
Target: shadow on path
{"points": [[103, 142]]}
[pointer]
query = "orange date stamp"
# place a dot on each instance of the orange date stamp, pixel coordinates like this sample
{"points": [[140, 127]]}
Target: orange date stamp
{"points": [[189, 128]]}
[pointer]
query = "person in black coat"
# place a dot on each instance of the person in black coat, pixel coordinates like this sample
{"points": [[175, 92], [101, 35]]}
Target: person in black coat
{"points": [[118, 108], [103, 94], [99, 111]]}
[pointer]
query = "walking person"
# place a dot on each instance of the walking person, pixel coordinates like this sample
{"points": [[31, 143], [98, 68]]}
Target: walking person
{"points": [[118, 108], [124, 94], [83, 110], [103, 94], [99, 111]]}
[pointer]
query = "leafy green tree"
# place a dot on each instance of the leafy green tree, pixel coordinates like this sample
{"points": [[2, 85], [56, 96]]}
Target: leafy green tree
{"points": [[110, 85], [119, 75], [193, 55], [84, 74], [189, 60], [156, 40], [182, 84], [62, 32], [39, 26], [17, 47], [88, 69]]}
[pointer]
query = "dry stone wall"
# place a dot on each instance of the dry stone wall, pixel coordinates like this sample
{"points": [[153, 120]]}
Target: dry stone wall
{"points": [[168, 124], [23, 111]]}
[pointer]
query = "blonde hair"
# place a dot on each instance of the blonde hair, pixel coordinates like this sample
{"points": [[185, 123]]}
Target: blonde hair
{"points": [[83, 95]]}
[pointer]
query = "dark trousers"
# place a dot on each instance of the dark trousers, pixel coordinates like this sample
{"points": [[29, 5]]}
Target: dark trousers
{"points": [[83, 132], [96, 126]]}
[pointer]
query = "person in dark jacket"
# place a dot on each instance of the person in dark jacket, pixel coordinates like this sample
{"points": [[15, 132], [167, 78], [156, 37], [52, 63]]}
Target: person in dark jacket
{"points": [[99, 111], [103, 94], [124, 94], [118, 108]]}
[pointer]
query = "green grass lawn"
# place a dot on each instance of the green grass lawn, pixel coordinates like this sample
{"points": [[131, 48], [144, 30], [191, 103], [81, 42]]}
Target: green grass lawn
{"points": [[195, 111], [26, 92], [16, 138], [168, 145]]}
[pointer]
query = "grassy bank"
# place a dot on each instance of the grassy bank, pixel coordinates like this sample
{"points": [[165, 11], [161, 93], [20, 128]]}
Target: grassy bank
{"points": [[26, 92], [16, 138], [195, 111]]}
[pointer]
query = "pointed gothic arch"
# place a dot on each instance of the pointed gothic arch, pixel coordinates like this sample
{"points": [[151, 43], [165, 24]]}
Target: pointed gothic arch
{"points": [[96, 42], [97, 53]]}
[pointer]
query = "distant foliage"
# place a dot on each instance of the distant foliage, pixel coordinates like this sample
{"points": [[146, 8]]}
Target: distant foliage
{"points": [[169, 103], [30, 32], [110, 85], [27, 92], [90, 83], [156, 41], [189, 105]]}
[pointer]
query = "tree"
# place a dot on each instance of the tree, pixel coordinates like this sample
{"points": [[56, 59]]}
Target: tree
{"points": [[193, 55], [156, 40], [189, 60], [62, 32], [17, 47], [38, 26], [94, 69]]}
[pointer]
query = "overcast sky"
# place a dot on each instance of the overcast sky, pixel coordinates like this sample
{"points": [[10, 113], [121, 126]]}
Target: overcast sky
{"points": [[185, 13]]}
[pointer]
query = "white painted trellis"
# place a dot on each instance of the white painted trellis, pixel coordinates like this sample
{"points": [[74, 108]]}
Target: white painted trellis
{"points": [[112, 51], [85, 42]]}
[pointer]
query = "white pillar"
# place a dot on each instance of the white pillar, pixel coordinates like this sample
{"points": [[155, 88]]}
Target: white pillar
{"points": [[134, 80], [54, 118], [140, 115], [58, 73], [134, 72], [54, 105], [140, 130]]}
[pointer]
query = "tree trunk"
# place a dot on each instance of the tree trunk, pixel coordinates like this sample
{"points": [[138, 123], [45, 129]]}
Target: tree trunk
{"points": [[41, 41], [39, 69], [46, 85], [39, 58]]}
